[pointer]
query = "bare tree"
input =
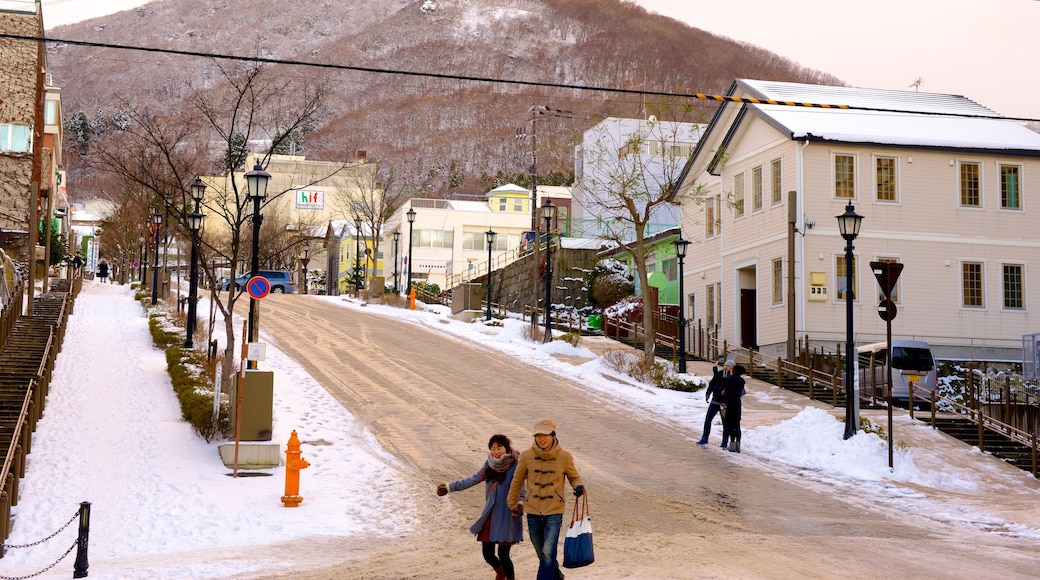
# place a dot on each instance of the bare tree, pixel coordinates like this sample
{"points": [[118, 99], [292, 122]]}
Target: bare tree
{"points": [[630, 169]]}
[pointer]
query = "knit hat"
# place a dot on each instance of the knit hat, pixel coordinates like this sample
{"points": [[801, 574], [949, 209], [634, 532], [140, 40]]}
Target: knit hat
{"points": [[545, 427], [729, 363]]}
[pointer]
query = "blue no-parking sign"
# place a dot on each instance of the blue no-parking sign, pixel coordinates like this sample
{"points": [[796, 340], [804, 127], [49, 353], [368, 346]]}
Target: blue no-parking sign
{"points": [[258, 287]]}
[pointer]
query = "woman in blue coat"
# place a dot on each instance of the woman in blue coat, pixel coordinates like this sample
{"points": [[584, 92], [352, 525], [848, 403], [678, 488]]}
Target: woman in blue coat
{"points": [[497, 525]]}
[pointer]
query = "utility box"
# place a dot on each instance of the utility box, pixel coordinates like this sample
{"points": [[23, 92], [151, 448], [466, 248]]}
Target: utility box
{"points": [[467, 297], [257, 406]]}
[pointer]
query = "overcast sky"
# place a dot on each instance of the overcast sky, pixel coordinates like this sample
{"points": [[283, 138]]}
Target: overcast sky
{"points": [[982, 49]]}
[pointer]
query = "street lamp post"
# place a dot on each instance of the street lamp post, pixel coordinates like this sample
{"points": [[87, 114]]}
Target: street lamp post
{"points": [[256, 184], [358, 285], [305, 260], [849, 224], [490, 237], [198, 191], [548, 214], [157, 221], [397, 258], [411, 266], [681, 246]]}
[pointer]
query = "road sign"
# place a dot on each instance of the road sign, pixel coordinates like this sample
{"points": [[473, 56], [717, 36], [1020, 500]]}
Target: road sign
{"points": [[887, 310], [887, 274], [258, 287]]}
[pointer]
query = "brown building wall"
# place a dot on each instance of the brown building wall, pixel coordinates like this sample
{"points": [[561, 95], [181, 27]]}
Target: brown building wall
{"points": [[18, 92]]}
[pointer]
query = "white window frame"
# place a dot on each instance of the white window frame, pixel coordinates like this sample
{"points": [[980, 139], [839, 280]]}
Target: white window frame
{"points": [[834, 176], [1000, 187], [1023, 287], [960, 284], [982, 184], [895, 179]]}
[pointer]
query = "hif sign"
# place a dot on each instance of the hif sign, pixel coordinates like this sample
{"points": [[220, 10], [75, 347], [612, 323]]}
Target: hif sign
{"points": [[310, 199]]}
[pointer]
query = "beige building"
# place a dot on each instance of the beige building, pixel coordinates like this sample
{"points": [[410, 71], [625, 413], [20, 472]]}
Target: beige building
{"points": [[945, 187]]}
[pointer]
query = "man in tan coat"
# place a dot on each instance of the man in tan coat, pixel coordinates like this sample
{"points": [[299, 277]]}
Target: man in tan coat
{"points": [[543, 467]]}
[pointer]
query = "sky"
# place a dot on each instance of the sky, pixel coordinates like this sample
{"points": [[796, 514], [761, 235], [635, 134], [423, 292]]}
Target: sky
{"points": [[112, 416], [981, 49]]}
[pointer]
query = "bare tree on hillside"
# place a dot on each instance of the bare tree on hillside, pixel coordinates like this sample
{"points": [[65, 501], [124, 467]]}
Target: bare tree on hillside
{"points": [[628, 179]]}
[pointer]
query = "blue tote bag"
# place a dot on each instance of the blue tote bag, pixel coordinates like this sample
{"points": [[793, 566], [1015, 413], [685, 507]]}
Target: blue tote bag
{"points": [[577, 546]]}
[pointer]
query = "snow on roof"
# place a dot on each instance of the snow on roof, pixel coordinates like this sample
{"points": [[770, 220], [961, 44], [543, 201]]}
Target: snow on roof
{"points": [[462, 205], [586, 243], [908, 119]]}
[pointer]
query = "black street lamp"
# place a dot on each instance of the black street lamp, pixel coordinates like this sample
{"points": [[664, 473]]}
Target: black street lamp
{"points": [[305, 260], [397, 258], [849, 224], [411, 266], [157, 221], [548, 214], [198, 192], [358, 284], [256, 184], [680, 252], [490, 237]]}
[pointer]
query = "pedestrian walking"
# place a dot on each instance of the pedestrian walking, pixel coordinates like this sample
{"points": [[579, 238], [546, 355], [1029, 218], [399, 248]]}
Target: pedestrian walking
{"points": [[497, 527], [77, 264], [714, 399], [544, 468], [733, 390], [103, 270]]}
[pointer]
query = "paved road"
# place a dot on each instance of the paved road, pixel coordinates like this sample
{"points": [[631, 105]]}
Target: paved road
{"points": [[663, 507]]}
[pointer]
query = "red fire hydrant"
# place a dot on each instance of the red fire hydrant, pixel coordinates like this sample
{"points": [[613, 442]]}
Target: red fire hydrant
{"points": [[294, 462]]}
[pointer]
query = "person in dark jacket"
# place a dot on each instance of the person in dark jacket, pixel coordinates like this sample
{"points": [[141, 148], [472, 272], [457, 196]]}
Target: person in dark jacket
{"points": [[103, 270], [714, 400], [497, 524], [732, 391]]}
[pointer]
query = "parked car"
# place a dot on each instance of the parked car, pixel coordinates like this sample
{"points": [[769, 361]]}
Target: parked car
{"points": [[912, 363], [281, 281]]}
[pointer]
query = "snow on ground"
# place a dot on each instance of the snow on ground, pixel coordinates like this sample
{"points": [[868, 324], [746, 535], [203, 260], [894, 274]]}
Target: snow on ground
{"points": [[112, 436]]}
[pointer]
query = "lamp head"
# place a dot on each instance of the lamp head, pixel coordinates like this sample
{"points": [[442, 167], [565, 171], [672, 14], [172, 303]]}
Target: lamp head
{"points": [[680, 247], [195, 221], [849, 223], [411, 215], [490, 236], [198, 190], [256, 183], [548, 210]]}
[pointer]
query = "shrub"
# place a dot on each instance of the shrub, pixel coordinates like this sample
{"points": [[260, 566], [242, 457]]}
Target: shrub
{"points": [[572, 338]]}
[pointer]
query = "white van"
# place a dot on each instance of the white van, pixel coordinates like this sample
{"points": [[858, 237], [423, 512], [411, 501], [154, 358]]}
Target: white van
{"points": [[912, 363]]}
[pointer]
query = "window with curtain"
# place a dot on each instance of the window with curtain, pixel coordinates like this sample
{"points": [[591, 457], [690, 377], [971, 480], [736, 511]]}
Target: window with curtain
{"points": [[1009, 187]]}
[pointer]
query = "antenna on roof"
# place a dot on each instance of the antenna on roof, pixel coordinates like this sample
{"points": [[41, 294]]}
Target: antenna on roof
{"points": [[917, 83]]}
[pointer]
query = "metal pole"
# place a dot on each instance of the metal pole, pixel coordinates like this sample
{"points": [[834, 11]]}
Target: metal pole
{"points": [[254, 271], [155, 268], [79, 569], [357, 259], [851, 421], [411, 266], [193, 290], [548, 281], [397, 260], [487, 315], [682, 322]]}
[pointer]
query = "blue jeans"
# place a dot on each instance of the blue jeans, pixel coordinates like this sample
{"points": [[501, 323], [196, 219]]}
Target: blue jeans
{"points": [[544, 532]]}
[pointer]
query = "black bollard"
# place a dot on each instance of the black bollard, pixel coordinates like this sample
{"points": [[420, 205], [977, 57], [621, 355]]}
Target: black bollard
{"points": [[79, 570]]}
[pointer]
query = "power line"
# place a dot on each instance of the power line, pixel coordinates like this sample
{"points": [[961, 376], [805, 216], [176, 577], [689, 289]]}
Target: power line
{"points": [[469, 78]]}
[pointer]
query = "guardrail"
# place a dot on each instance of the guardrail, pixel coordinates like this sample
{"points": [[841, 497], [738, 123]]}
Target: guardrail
{"points": [[498, 262]]}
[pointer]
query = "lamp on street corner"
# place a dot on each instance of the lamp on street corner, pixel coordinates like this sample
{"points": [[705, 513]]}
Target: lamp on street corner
{"points": [[256, 184], [681, 246], [195, 219], [849, 224], [548, 214], [397, 260], [489, 236], [411, 266]]}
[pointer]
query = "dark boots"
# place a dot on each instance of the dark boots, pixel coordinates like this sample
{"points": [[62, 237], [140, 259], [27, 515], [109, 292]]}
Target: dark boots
{"points": [[500, 573], [734, 446]]}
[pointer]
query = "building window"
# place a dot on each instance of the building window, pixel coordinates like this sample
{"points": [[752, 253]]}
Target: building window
{"points": [[1013, 286], [885, 169], [845, 176], [709, 306], [738, 195], [518, 205], [434, 238], [970, 184], [778, 281], [776, 177], [691, 307], [711, 216], [50, 112], [15, 138], [503, 204], [895, 290], [840, 277], [971, 285], [670, 268], [1010, 187], [756, 188]]}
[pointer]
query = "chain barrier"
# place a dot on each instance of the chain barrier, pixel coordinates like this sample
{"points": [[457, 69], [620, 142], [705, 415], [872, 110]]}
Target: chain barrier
{"points": [[56, 562], [75, 543]]}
